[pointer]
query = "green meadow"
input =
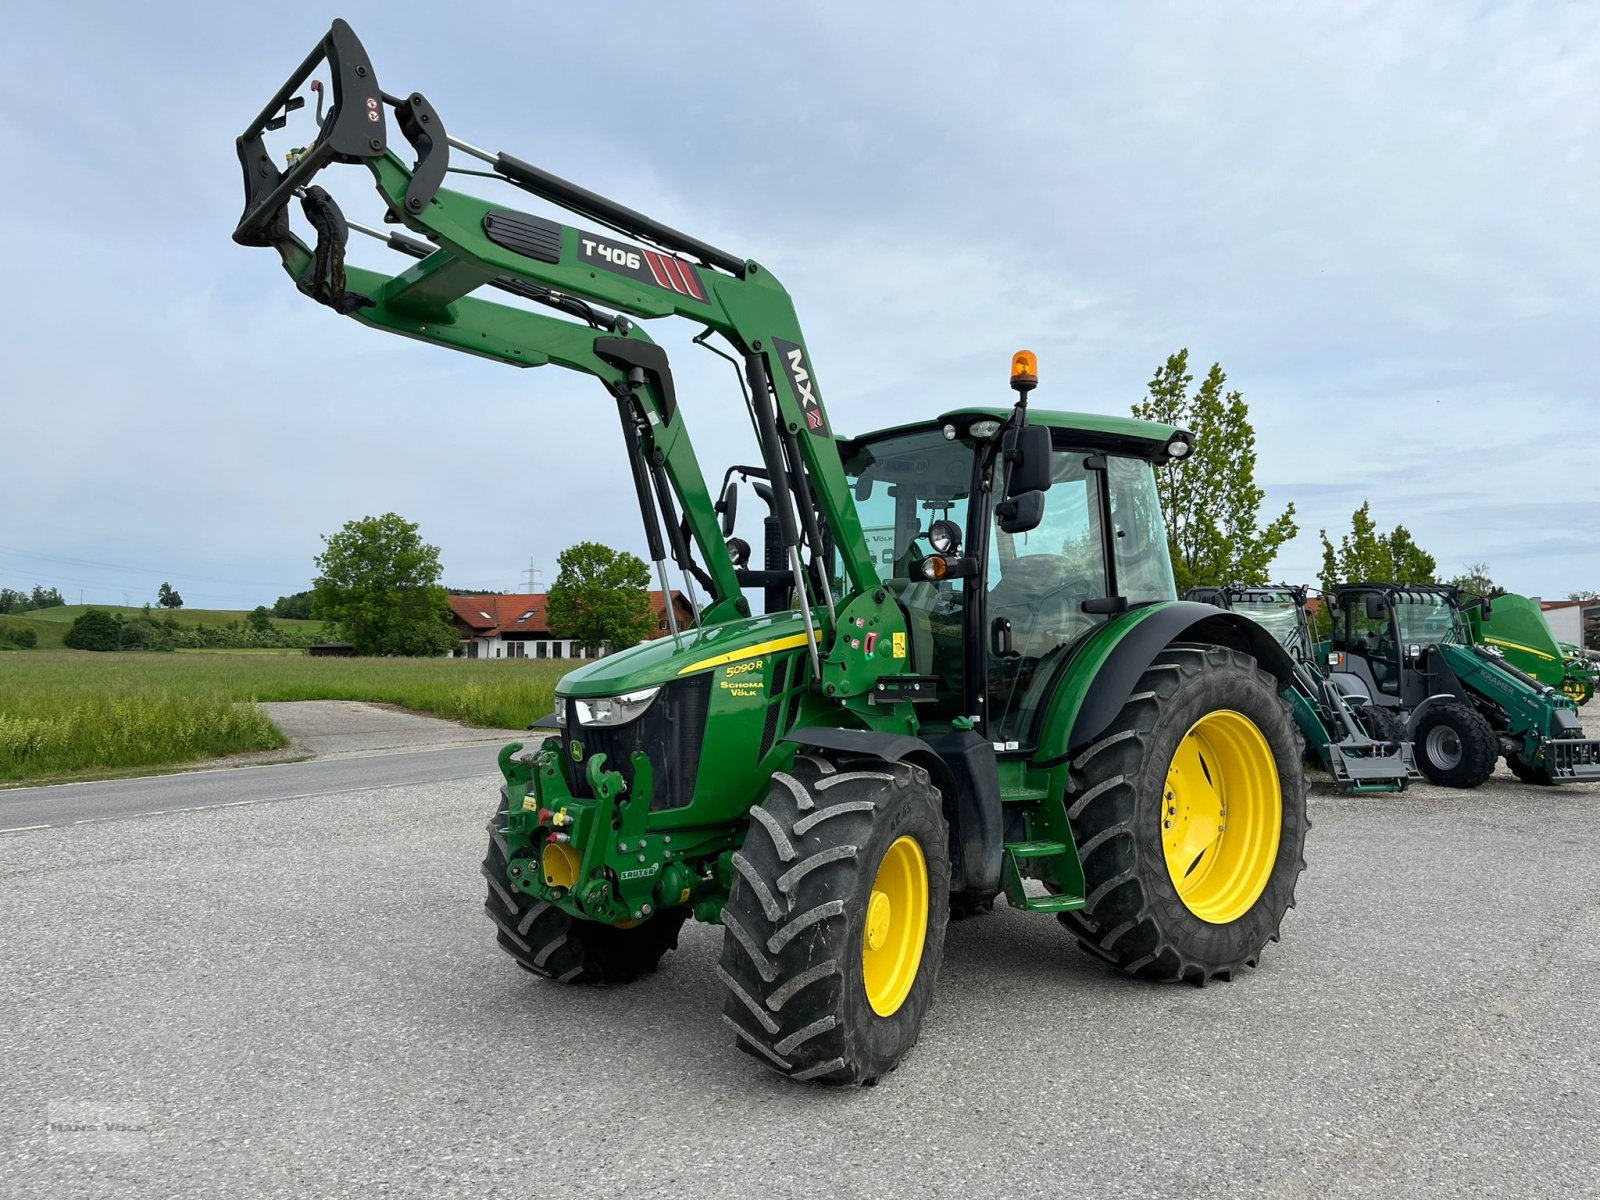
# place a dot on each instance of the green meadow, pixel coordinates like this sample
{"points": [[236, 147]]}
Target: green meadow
{"points": [[66, 713]]}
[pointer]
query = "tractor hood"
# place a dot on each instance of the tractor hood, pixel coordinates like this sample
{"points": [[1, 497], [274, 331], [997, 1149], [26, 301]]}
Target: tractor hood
{"points": [[650, 664]]}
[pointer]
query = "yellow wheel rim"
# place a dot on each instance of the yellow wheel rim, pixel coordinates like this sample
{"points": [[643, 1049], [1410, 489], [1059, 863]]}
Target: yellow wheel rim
{"points": [[559, 863], [897, 925], [1221, 816]]}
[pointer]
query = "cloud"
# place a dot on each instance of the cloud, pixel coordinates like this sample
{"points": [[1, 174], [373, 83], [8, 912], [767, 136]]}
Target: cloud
{"points": [[1378, 218]]}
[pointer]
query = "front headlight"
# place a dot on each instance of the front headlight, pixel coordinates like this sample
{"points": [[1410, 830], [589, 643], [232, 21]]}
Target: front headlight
{"points": [[615, 710]]}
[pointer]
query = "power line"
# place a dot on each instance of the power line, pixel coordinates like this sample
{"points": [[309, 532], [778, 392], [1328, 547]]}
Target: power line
{"points": [[89, 562]]}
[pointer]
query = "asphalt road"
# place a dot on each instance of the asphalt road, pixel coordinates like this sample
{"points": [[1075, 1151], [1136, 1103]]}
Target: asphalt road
{"points": [[303, 998], [234, 787]]}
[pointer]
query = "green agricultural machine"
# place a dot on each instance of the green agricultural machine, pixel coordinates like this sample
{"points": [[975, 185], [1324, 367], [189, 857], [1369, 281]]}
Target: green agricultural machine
{"points": [[1363, 747], [1516, 626], [969, 675], [1408, 647]]}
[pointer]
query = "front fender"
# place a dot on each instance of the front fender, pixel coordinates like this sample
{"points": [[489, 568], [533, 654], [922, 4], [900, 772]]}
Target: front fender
{"points": [[1100, 677]]}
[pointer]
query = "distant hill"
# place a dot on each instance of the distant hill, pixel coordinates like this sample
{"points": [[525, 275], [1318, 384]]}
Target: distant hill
{"points": [[51, 624]]}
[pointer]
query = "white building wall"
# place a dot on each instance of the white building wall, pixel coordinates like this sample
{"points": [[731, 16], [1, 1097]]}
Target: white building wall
{"points": [[1566, 623]]}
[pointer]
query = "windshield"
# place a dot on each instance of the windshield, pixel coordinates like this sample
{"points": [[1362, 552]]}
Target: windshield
{"points": [[1278, 614], [902, 485], [1426, 620]]}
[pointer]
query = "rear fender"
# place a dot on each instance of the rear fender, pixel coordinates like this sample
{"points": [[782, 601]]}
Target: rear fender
{"points": [[1101, 677]]}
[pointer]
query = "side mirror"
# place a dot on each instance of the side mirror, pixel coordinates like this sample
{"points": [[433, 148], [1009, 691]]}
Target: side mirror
{"points": [[1029, 451], [1488, 606], [1021, 513], [1376, 610], [728, 506]]}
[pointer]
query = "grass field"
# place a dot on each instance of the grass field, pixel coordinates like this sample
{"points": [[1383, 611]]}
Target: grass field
{"points": [[66, 712], [51, 624]]}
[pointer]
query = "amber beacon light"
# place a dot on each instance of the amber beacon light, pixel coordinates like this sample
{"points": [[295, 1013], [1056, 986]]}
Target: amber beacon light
{"points": [[1024, 370]]}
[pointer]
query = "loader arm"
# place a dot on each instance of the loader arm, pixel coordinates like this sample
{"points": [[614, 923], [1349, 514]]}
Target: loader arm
{"points": [[472, 244]]}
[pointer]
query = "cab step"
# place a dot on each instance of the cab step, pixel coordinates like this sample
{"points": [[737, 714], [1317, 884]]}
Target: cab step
{"points": [[1012, 878], [1037, 849], [1050, 904]]}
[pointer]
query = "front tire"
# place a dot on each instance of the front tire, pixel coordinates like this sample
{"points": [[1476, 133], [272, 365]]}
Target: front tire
{"points": [[1455, 745], [1190, 816], [546, 941], [834, 928]]}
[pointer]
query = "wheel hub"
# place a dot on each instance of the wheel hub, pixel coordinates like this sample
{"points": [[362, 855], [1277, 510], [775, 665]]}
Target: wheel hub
{"points": [[1221, 816], [879, 915], [1444, 747], [897, 925]]}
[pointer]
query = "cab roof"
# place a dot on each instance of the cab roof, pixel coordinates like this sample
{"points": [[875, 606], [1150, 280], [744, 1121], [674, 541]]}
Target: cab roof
{"points": [[1126, 435]]}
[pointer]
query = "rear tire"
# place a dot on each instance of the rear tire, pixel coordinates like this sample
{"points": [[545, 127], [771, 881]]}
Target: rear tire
{"points": [[804, 983], [1118, 802], [1383, 724], [1455, 745], [546, 941]]}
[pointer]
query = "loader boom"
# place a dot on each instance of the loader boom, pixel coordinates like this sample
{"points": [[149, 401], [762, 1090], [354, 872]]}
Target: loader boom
{"points": [[472, 244]]}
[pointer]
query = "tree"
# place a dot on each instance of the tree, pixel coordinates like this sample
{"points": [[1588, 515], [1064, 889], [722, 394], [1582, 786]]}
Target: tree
{"points": [[1210, 499], [1366, 556], [1476, 581], [600, 597], [94, 630], [379, 583], [13, 600], [168, 598], [259, 619], [293, 608], [1583, 594]]}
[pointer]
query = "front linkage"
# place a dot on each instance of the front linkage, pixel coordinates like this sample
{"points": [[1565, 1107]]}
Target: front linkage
{"points": [[597, 858]]}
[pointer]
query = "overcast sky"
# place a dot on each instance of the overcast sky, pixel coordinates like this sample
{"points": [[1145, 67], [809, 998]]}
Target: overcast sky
{"points": [[1381, 219]]}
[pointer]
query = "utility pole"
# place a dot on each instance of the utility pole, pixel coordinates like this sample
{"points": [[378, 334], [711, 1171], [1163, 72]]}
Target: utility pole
{"points": [[531, 576]]}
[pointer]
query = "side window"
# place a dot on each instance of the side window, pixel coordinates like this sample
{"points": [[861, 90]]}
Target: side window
{"points": [[1139, 534]]}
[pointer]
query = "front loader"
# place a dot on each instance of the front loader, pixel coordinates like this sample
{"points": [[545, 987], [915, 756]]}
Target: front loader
{"points": [[969, 675], [1362, 747], [1408, 648]]}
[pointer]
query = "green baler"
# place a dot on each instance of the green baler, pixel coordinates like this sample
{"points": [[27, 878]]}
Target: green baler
{"points": [[1516, 626], [970, 675]]}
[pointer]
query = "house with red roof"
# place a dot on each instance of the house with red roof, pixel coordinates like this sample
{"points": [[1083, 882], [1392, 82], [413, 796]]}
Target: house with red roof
{"points": [[492, 625]]}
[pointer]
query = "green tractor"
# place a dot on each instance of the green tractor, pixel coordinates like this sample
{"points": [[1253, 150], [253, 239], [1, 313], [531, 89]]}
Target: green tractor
{"points": [[1408, 647], [970, 675], [1363, 747], [1516, 626]]}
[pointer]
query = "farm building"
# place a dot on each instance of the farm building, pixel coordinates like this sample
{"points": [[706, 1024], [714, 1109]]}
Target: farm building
{"points": [[1576, 622], [500, 626]]}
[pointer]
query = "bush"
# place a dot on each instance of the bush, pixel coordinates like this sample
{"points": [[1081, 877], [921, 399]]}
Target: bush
{"points": [[19, 639], [94, 630], [146, 634]]}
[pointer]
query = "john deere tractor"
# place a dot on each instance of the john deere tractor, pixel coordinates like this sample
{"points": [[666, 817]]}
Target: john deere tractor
{"points": [[1407, 647], [958, 670], [1362, 746]]}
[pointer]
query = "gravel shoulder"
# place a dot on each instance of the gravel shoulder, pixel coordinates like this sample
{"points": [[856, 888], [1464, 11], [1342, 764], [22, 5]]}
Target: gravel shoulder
{"points": [[348, 728]]}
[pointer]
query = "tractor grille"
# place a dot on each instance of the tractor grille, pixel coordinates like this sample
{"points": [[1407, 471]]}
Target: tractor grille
{"points": [[670, 732]]}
